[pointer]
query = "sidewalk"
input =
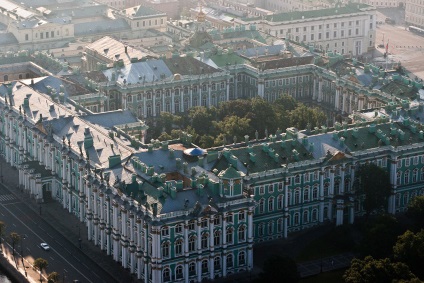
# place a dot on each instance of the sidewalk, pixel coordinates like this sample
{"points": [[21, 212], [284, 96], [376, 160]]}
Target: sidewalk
{"points": [[68, 226], [325, 264], [21, 269]]}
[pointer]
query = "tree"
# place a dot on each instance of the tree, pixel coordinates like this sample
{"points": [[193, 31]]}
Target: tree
{"points": [[262, 116], [302, 116], [379, 236], [201, 119], [2, 229], [234, 126], [377, 271], [374, 184], [40, 264], [416, 211], [409, 249], [280, 269], [53, 277], [14, 239]]}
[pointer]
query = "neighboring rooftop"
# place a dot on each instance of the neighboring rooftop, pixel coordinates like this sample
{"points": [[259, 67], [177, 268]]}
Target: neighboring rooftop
{"points": [[350, 8]]}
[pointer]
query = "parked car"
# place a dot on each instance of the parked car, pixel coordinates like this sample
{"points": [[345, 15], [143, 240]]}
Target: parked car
{"points": [[390, 21], [45, 246]]}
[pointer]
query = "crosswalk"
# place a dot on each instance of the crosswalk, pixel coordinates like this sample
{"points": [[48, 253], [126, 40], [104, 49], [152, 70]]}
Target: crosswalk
{"points": [[7, 198]]}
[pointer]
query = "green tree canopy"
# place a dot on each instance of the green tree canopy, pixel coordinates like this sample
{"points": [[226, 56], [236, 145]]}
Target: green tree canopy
{"points": [[234, 126], [40, 264], [377, 271], [14, 239], [200, 119], [374, 183], [416, 211], [379, 236], [409, 249], [302, 116], [53, 277]]}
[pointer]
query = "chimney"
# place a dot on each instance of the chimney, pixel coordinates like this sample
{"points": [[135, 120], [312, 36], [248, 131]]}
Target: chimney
{"points": [[126, 49], [32, 81]]}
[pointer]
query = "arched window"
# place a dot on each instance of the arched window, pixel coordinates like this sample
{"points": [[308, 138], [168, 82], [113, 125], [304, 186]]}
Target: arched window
{"points": [[230, 260], [305, 217], [205, 266], [242, 258], [296, 218], [261, 206], [280, 199], [217, 263], [270, 228], [398, 177], [179, 247], [406, 177], [242, 233], [229, 235], [166, 274], [217, 238], [271, 204], [280, 225], [165, 249], [204, 240], [192, 243], [306, 194], [260, 229], [315, 193], [297, 179], [297, 196], [191, 268], [415, 176], [314, 215], [179, 272]]}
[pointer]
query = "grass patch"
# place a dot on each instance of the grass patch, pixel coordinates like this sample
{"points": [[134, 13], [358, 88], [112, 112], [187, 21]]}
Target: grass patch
{"points": [[336, 241], [326, 277]]}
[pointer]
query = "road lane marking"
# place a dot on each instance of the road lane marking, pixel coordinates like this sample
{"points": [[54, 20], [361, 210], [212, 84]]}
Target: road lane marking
{"points": [[39, 237]]}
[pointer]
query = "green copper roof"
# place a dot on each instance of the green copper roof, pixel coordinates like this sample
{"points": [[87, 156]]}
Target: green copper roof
{"points": [[224, 59], [230, 173], [298, 15]]}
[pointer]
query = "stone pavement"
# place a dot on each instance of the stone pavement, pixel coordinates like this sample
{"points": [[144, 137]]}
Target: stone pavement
{"points": [[68, 225], [330, 263]]}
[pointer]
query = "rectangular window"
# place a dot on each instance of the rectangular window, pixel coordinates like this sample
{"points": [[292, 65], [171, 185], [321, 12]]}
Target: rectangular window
{"points": [[407, 162]]}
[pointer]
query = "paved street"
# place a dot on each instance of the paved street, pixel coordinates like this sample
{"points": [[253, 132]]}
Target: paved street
{"points": [[404, 46], [60, 230]]}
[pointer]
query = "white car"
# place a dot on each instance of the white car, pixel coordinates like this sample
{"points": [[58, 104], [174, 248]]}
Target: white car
{"points": [[44, 246]]}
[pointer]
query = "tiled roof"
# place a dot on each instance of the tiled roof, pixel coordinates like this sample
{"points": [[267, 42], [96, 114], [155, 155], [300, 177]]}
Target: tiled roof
{"points": [[115, 50], [188, 66], [223, 60], [7, 38], [142, 72], [109, 119]]}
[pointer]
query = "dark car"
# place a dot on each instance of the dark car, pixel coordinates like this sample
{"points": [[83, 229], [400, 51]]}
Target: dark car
{"points": [[390, 21]]}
